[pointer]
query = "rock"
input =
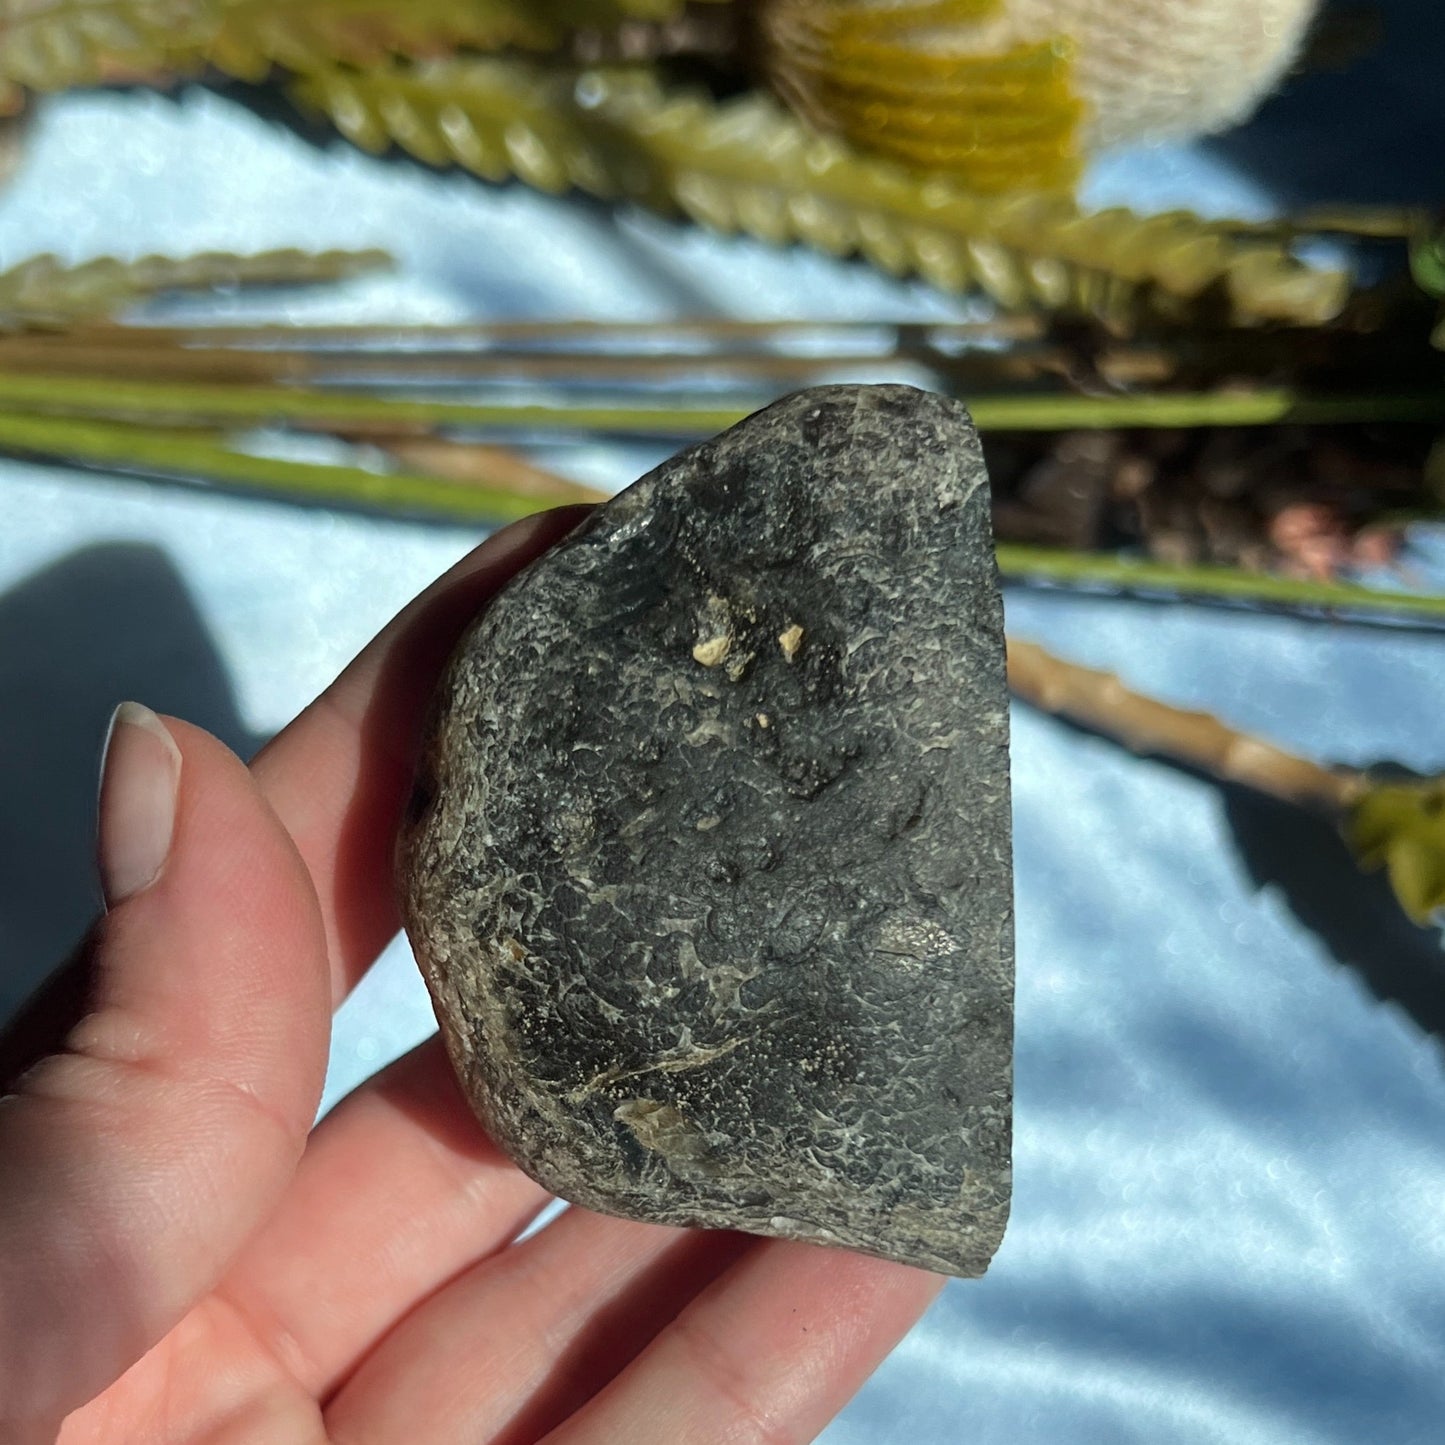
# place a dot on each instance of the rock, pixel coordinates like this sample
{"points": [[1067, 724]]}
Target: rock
{"points": [[709, 868]]}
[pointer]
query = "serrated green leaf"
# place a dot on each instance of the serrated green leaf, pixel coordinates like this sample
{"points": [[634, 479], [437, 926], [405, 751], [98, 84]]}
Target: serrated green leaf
{"points": [[54, 44], [1401, 827], [748, 165], [43, 291]]}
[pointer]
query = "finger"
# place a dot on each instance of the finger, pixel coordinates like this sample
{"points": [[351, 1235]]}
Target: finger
{"points": [[399, 1190], [340, 774], [520, 1341], [139, 1158], [770, 1352], [41, 1023], [337, 777]]}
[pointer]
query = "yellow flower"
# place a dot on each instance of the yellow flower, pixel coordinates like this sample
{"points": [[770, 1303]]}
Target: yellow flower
{"points": [[1012, 93]]}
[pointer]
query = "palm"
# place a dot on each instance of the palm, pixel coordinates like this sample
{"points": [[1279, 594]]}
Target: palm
{"points": [[392, 1311], [181, 1251]]}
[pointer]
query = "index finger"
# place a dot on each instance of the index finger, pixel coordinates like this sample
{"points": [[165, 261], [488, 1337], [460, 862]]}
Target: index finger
{"points": [[340, 774]]}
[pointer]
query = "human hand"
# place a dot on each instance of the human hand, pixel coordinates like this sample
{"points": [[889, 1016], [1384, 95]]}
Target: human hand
{"points": [[182, 1258]]}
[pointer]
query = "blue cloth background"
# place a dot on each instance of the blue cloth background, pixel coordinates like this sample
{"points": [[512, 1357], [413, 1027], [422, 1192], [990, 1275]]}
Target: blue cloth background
{"points": [[1229, 1219]]}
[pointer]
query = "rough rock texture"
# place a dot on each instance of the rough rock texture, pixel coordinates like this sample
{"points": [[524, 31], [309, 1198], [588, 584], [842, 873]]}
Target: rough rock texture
{"points": [[709, 864]]}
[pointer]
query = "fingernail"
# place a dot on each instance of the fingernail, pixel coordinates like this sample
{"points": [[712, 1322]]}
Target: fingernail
{"points": [[140, 776]]}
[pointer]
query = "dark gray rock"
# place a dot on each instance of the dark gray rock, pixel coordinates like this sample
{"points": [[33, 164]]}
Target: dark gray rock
{"points": [[709, 870]]}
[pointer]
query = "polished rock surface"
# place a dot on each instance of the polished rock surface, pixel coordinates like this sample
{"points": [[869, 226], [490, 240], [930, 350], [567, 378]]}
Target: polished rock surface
{"points": [[710, 871]]}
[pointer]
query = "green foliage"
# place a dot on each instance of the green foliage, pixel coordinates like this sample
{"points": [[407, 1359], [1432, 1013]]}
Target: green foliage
{"points": [[129, 396], [1202, 581], [192, 404], [53, 44], [743, 165], [1427, 260], [1427, 266], [1401, 827], [45, 292], [748, 165], [155, 451], [140, 424]]}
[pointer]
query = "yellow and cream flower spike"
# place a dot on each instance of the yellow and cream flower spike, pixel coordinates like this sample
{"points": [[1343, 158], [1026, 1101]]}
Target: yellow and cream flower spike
{"points": [[1014, 93]]}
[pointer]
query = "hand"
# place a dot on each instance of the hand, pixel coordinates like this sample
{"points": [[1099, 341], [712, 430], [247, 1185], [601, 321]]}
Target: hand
{"points": [[182, 1258]]}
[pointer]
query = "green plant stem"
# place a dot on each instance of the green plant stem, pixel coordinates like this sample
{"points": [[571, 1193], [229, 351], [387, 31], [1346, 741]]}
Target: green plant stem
{"points": [[1201, 409], [191, 456], [186, 404], [1138, 575], [188, 456], [182, 404], [1375, 223], [273, 367], [305, 336]]}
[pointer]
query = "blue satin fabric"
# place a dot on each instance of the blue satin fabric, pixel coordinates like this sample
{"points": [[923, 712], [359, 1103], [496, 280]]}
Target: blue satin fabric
{"points": [[1230, 1161]]}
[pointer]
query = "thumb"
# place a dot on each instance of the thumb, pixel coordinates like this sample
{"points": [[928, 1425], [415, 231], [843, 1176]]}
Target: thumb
{"points": [[139, 1156]]}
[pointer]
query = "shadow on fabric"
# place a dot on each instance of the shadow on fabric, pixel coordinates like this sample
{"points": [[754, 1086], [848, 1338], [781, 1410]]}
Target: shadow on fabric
{"points": [[104, 624], [1370, 132], [1354, 913]]}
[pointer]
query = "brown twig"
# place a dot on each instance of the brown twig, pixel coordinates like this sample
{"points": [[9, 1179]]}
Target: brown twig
{"points": [[1100, 702], [478, 465]]}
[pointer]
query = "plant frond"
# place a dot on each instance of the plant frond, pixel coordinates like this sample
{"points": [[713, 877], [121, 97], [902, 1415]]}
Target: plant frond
{"points": [[747, 165], [132, 395], [1204, 582], [200, 458], [256, 34], [1401, 827], [45, 292], [14, 125], [54, 44]]}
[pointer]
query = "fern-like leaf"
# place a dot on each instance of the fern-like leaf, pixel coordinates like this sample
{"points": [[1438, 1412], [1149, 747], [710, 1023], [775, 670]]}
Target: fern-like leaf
{"points": [[54, 44], [45, 292], [13, 128], [747, 165]]}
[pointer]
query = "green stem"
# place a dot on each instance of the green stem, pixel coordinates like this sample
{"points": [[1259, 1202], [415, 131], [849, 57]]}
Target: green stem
{"points": [[1137, 575], [187, 456], [183, 403], [1191, 409], [192, 404], [366, 336]]}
